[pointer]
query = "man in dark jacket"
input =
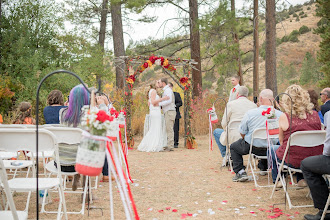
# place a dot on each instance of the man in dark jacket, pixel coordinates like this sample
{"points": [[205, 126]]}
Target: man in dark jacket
{"points": [[325, 98], [178, 104]]}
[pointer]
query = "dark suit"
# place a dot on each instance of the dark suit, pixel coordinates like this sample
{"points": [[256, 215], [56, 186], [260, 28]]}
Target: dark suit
{"points": [[178, 104], [325, 107]]}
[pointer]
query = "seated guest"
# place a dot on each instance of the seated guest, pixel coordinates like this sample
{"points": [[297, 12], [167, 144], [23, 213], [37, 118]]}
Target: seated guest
{"points": [[234, 111], [24, 114], [71, 117], [303, 119], [252, 120], [314, 100], [325, 98], [313, 168], [55, 104]]}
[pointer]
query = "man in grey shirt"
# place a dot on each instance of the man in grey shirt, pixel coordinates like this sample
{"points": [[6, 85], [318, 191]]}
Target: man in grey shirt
{"points": [[313, 168]]}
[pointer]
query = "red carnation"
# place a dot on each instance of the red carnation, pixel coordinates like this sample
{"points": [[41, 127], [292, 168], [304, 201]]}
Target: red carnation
{"points": [[162, 60], [153, 59], [184, 80], [146, 65], [234, 89], [132, 77], [112, 111], [166, 67], [102, 116]]}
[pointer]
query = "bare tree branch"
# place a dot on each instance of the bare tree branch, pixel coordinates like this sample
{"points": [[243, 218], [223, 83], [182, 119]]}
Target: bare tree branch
{"points": [[181, 48], [161, 47]]}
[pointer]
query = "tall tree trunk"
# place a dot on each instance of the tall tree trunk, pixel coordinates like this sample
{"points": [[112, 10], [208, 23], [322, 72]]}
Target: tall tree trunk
{"points": [[256, 50], [271, 81], [195, 49], [103, 25], [118, 42], [236, 41]]}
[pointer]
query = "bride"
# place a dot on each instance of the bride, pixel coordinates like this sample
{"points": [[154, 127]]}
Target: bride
{"points": [[155, 139]]}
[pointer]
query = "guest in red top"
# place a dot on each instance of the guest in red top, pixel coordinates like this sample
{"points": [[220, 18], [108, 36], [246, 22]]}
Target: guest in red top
{"points": [[24, 114], [303, 119]]}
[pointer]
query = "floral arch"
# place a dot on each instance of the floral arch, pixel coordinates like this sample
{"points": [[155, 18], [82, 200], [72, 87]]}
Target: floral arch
{"points": [[137, 64]]}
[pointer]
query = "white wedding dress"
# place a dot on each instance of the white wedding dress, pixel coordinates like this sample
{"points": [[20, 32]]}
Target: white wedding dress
{"points": [[155, 139]]}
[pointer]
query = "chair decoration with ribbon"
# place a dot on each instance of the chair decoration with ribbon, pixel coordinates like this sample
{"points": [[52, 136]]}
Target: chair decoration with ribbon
{"points": [[213, 118]]}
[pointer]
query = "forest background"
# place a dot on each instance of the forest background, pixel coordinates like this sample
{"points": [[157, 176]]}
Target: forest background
{"points": [[35, 42]]}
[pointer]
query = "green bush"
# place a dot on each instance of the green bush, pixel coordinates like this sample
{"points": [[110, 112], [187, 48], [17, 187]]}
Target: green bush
{"points": [[285, 39], [295, 15], [304, 16], [297, 19], [304, 29], [295, 33], [301, 13], [293, 38], [308, 8], [322, 22]]}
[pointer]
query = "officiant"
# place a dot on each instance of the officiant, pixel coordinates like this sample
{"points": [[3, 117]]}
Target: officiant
{"points": [[178, 104]]}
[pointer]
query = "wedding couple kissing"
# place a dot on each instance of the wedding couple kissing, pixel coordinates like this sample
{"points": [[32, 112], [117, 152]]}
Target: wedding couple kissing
{"points": [[160, 136]]}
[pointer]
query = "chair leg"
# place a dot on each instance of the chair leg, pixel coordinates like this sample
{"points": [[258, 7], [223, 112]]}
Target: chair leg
{"points": [[325, 210]]}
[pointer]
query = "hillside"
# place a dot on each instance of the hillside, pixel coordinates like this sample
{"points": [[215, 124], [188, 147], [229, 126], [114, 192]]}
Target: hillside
{"points": [[287, 52]]}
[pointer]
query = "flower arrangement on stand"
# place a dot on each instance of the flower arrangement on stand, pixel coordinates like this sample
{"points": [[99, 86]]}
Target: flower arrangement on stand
{"points": [[91, 151], [272, 124]]}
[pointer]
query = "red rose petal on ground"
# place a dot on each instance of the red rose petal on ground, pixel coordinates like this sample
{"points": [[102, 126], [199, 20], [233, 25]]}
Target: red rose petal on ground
{"points": [[268, 211], [189, 214], [261, 209], [168, 208], [183, 216], [174, 210], [271, 216], [160, 210], [252, 212], [225, 201], [220, 209], [297, 213], [254, 189]]}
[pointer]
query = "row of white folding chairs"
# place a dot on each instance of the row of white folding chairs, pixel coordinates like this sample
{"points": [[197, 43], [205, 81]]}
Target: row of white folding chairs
{"points": [[68, 136], [25, 139]]}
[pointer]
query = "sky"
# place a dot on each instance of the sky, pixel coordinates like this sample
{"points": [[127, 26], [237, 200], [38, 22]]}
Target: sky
{"points": [[139, 31]]}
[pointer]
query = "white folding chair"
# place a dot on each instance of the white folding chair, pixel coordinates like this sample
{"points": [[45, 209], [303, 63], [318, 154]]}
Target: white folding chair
{"points": [[303, 139], [25, 139], [259, 133], [66, 135], [13, 213], [325, 210], [232, 129]]}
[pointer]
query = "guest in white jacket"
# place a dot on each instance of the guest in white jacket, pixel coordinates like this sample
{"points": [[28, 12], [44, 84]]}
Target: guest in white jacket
{"points": [[235, 111]]}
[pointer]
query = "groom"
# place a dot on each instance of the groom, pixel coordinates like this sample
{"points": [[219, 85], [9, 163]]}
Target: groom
{"points": [[168, 107]]}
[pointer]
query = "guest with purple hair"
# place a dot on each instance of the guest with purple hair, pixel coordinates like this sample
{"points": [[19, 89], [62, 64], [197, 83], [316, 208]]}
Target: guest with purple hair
{"points": [[71, 116]]}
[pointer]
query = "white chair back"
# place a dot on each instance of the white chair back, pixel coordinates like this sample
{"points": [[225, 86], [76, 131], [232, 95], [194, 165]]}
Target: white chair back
{"points": [[260, 133], [233, 131], [25, 139], [66, 134], [11, 126], [307, 138]]}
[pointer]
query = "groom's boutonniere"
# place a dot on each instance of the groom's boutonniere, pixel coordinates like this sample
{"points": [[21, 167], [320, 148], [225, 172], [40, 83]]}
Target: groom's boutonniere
{"points": [[160, 92], [234, 89]]}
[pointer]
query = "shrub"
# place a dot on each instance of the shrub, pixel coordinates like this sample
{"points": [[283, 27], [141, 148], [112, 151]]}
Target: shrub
{"points": [[308, 8], [322, 22], [304, 29], [301, 13], [294, 33], [285, 39], [290, 20], [295, 15], [297, 19], [293, 38], [304, 16]]}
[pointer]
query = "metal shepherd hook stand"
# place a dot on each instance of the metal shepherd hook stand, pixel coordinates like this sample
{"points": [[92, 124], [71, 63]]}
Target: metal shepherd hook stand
{"points": [[37, 121]]}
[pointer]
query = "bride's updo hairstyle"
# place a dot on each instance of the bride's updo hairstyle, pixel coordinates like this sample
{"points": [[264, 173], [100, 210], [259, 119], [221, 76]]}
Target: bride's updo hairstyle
{"points": [[300, 100], [152, 86]]}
